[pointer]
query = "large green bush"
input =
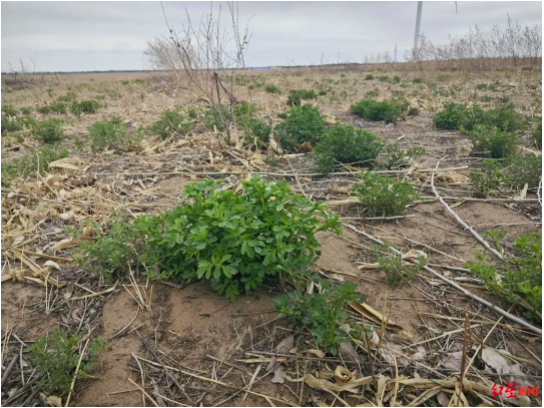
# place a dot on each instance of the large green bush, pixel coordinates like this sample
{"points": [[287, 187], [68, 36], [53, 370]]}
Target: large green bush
{"points": [[233, 240], [304, 125], [383, 196], [376, 111], [171, 123], [492, 141], [345, 144]]}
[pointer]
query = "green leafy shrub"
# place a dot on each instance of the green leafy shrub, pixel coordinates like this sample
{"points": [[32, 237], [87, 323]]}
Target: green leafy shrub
{"points": [[171, 123], [112, 134], [537, 135], [273, 89], [345, 144], [304, 125], [324, 314], [396, 271], [493, 142], [523, 169], [54, 108], [451, 117], [50, 131], [235, 241], [218, 117], [376, 111], [413, 111], [56, 360], [383, 196], [89, 106], [369, 77], [458, 116], [257, 132], [520, 281], [297, 96], [489, 179]]}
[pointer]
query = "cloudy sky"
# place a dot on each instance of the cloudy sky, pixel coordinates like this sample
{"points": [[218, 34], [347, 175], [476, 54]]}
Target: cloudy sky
{"points": [[84, 36]]}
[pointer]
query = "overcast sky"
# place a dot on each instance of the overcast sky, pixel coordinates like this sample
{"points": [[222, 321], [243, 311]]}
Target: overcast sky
{"points": [[84, 36]]}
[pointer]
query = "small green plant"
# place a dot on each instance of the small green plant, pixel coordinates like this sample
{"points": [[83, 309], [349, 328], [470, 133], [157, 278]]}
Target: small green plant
{"points": [[323, 314], [383, 196], [417, 80], [493, 142], [171, 123], [50, 131], [413, 111], [8, 110], [70, 97], [396, 79], [257, 132], [523, 169], [451, 117], [89, 106], [139, 81], [58, 107], [218, 118], [17, 124], [296, 97], [273, 89], [304, 125], [519, 282], [489, 180], [345, 144], [112, 134], [383, 78], [376, 111], [26, 111], [372, 94], [369, 77], [392, 157], [56, 359], [397, 271]]}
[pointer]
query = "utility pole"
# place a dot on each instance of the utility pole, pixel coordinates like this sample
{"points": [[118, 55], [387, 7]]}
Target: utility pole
{"points": [[418, 26]]}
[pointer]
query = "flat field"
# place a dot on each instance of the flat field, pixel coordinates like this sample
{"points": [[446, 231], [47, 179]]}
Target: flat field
{"points": [[179, 344]]}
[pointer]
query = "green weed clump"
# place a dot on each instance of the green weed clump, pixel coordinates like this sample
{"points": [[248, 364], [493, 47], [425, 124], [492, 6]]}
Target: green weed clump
{"points": [[519, 282], [396, 271], [235, 241], [70, 97], [17, 124], [382, 196], [36, 161], [297, 96], [8, 110], [456, 116], [489, 180], [89, 106], [324, 314], [59, 108], [56, 359], [374, 110], [112, 134], [345, 144], [50, 131], [392, 157], [493, 142], [273, 89], [523, 169], [172, 123], [371, 94], [218, 118], [413, 111], [304, 126], [417, 80]]}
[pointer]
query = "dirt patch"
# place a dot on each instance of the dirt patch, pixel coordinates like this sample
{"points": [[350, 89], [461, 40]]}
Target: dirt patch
{"points": [[19, 311]]}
